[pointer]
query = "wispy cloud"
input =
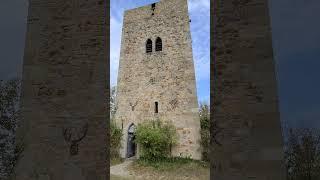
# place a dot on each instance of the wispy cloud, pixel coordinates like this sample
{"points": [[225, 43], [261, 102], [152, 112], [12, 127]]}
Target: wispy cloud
{"points": [[199, 11], [200, 6], [115, 42]]}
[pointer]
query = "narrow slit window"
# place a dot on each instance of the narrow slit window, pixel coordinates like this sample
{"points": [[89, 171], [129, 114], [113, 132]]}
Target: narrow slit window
{"points": [[156, 106], [148, 46], [158, 44]]}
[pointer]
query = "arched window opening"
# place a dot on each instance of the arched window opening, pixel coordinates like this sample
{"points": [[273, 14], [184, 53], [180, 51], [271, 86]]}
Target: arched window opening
{"points": [[131, 128], [148, 46], [158, 44]]}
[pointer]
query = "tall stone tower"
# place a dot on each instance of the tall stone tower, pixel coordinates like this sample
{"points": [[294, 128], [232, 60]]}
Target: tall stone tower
{"points": [[249, 141], [64, 84], [156, 75]]}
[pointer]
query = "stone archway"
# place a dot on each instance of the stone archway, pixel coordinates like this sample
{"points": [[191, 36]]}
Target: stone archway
{"points": [[131, 145]]}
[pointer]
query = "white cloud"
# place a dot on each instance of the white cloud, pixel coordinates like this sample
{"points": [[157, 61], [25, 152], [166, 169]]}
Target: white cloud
{"points": [[200, 30], [202, 68], [198, 5], [115, 41]]}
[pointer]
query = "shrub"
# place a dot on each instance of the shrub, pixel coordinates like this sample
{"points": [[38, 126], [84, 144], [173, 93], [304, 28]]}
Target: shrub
{"points": [[115, 140], [155, 139]]}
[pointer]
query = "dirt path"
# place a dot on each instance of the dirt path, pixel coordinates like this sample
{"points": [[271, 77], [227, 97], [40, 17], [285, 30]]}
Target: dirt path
{"points": [[121, 169]]}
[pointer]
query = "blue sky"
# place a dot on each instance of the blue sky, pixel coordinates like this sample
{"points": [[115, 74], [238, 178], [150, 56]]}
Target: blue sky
{"points": [[199, 12], [295, 36]]}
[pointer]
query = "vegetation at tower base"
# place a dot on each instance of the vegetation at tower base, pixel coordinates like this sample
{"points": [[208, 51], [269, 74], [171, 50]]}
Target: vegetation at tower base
{"points": [[115, 143], [113, 105], [115, 140], [204, 114], [9, 111], [115, 131], [302, 155], [155, 139]]}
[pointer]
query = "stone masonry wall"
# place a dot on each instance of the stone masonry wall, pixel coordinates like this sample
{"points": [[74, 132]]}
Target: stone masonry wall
{"points": [[166, 76], [245, 94], [63, 92]]}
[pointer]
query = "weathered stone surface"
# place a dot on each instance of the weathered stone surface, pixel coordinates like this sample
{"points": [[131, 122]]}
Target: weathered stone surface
{"points": [[63, 110], [245, 94], [166, 76]]}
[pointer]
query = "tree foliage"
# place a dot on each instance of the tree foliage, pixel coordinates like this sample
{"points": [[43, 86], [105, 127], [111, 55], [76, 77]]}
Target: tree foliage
{"points": [[204, 114], [113, 103], [115, 140], [9, 103], [302, 155], [9, 109], [155, 139]]}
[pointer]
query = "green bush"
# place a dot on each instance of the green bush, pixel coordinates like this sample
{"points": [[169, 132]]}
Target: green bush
{"points": [[155, 139], [115, 140]]}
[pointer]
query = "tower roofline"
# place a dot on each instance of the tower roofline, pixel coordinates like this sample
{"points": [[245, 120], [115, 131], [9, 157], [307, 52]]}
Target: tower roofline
{"points": [[147, 5], [140, 7]]}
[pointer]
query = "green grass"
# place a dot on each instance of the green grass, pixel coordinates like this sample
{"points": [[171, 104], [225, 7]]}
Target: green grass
{"points": [[171, 168], [113, 177], [166, 164]]}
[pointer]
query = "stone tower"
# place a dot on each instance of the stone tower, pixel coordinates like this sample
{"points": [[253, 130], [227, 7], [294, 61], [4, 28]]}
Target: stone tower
{"points": [[156, 75], [249, 141], [64, 84]]}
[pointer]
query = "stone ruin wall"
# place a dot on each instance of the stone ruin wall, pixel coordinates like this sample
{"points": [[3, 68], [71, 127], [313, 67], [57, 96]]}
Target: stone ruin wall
{"points": [[64, 90], [245, 94]]}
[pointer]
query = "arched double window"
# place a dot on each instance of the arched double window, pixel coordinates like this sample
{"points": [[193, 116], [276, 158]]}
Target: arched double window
{"points": [[158, 44], [148, 46]]}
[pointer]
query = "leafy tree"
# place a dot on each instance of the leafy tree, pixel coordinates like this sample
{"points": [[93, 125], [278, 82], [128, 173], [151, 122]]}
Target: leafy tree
{"points": [[302, 155], [113, 104], [204, 114], [9, 109], [115, 131]]}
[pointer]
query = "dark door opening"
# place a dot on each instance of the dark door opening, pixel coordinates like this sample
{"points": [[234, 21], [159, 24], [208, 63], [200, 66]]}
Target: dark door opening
{"points": [[131, 149]]}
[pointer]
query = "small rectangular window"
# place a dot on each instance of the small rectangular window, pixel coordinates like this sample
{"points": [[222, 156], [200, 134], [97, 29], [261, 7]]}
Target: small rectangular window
{"points": [[156, 107]]}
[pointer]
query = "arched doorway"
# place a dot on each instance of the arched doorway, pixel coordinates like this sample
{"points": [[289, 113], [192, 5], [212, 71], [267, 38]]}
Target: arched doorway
{"points": [[131, 146]]}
